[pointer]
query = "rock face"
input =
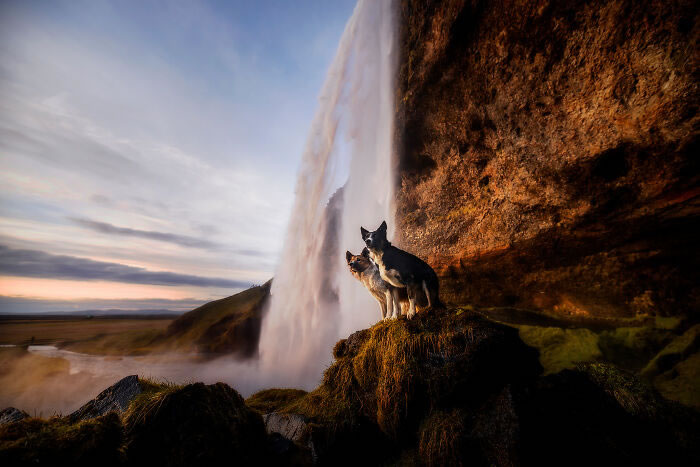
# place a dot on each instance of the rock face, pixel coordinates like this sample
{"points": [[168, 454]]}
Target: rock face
{"points": [[290, 426], [295, 429], [10, 415], [115, 398], [548, 153]]}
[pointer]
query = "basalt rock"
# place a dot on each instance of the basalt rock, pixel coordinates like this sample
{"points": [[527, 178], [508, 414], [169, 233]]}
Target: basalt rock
{"points": [[115, 398], [11, 414], [547, 153]]}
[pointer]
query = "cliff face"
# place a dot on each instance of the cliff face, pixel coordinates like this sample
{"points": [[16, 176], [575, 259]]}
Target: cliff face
{"points": [[548, 153]]}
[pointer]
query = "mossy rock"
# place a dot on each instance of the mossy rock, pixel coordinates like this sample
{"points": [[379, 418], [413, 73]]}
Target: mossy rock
{"points": [[387, 379], [604, 415], [560, 348], [273, 400], [675, 370], [57, 441], [194, 425]]}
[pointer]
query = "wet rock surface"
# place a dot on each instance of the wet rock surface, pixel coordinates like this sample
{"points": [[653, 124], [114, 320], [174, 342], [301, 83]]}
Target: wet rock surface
{"points": [[115, 398], [548, 153]]}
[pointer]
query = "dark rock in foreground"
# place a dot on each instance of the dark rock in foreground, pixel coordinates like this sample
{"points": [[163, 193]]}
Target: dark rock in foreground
{"points": [[57, 441], [10, 415], [194, 425], [115, 398]]}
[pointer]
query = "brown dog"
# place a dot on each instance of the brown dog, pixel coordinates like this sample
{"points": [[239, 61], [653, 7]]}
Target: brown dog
{"points": [[392, 301]]}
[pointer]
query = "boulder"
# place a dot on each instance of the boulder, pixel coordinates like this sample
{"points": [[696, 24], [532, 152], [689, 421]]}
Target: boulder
{"points": [[11, 414], [290, 426], [56, 441], [115, 398], [195, 424]]}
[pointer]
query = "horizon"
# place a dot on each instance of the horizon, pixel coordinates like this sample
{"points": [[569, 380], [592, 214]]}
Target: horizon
{"points": [[113, 116]]}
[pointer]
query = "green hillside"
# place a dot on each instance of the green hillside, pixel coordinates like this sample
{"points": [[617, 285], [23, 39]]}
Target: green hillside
{"points": [[229, 325]]}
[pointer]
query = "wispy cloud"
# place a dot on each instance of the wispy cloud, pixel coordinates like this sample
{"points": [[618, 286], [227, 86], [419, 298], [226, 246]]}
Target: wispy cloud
{"points": [[137, 135], [33, 263], [182, 240]]}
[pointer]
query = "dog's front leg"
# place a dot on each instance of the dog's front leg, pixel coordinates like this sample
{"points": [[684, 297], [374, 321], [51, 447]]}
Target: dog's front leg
{"points": [[390, 311], [382, 307], [410, 290], [396, 301]]}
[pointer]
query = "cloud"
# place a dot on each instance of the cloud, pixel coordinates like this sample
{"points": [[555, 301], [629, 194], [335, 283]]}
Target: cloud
{"points": [[33, 263], [182, 240]]}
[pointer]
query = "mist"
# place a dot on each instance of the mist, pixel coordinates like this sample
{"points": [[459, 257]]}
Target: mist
{"points": [[345, 181]]}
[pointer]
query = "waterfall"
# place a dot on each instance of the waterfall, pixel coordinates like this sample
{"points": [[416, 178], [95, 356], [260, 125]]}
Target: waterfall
{"points": [[346, 180]]}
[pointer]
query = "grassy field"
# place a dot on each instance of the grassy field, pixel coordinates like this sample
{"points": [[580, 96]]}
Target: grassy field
{"points": [[90, 335]]}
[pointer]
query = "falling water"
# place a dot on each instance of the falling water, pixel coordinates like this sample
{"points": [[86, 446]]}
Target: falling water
{"points": [[346, 180]]}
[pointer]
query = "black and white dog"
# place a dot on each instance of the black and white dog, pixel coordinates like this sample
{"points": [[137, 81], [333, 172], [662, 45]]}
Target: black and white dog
{"points": [[401, 269]]}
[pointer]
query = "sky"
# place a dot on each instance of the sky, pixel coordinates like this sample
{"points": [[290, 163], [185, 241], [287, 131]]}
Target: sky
{"points": [[149, 149]]}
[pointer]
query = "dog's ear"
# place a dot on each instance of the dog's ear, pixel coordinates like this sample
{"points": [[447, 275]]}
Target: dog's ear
{"points": [[383, 226], [348, 256], [365, 252], [364, 232]]}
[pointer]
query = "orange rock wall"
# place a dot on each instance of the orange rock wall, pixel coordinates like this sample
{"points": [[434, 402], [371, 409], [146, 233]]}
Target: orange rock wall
{"points": [[548, 153]]}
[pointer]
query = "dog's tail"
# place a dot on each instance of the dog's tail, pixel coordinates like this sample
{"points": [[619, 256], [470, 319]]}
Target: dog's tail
{"points": [[432, 290]]}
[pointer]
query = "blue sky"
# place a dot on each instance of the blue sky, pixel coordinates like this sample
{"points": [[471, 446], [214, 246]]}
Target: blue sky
{"points": [[149, 149]]}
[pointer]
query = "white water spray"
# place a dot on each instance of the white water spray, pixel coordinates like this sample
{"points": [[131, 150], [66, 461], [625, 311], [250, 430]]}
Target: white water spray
{"points": [[315, 300]]}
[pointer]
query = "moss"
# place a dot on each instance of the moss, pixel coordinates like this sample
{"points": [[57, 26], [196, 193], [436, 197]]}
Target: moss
{"points": [[675, 370], [683, 382], [273, 400], [633, 395], [152, 395], [667, 322], [395, 373], [441, 439], [561, 348], [632, 347], [678, 349], [58, 442], [193, 425]]}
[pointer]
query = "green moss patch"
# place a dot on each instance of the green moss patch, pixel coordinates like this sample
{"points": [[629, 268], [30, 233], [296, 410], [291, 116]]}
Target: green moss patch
{"points": [[561, 348], [273, 400]]}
